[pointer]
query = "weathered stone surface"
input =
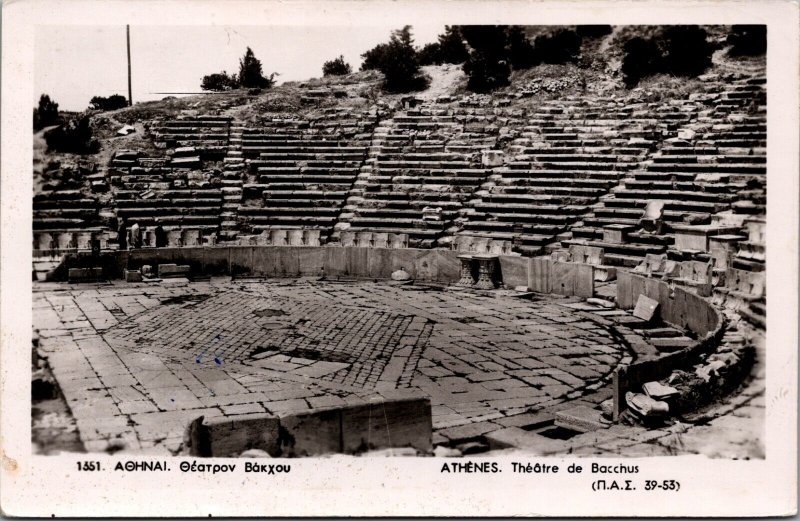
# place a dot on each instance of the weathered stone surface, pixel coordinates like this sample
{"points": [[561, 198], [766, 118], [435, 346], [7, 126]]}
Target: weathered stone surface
{"points": [[227, 437], [84, 274], [645, 308], [311, 434], [173, 270], [389, 423]]}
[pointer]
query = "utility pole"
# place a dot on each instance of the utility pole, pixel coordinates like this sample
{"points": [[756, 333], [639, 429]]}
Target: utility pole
{"points": [[128, 38]]}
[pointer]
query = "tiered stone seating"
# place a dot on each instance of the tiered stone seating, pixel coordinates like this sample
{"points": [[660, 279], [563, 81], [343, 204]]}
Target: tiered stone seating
{"points": [[152, 192], [714, 163], [63, 210], [427, 162], [207, 134], [570, 153], [303, 170]]}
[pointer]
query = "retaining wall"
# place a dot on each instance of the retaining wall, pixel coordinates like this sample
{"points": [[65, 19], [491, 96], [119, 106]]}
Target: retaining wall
{"points": [[680, 308]]}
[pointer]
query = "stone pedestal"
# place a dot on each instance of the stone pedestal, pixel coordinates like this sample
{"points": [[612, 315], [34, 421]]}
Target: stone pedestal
{"points": [[486, 270], [466, 279]]}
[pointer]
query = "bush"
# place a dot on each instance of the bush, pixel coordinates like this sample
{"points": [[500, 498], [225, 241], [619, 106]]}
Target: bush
{"points": [[219, 81], [642, 58], [748, 40], [563, 46], [398, 62], [593, 31], [46, 113], [113, 102], [337, 67], [75, 136], [250, 72], [688, 52], [487, 65]]}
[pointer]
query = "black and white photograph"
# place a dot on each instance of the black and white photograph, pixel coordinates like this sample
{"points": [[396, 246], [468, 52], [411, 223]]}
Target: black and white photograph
{"points": [[500, 246]]}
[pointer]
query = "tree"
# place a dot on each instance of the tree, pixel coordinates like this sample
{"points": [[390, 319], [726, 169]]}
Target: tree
{"points": [[337, 67], [563, 46], [748, 40], [521, 53], [220, 81], [688, 52], [375, 57], [642, 58], [46, 113], [250, 72], [451, 45], [398, 62], [430, 54], [593, 31], [487, 65], [113, 102]]}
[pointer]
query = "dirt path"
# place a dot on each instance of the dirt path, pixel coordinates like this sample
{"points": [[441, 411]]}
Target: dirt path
{"points": [[444, 80]]}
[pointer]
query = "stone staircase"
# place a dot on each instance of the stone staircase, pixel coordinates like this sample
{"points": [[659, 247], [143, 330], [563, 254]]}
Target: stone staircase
{"points": [[234, 170]]}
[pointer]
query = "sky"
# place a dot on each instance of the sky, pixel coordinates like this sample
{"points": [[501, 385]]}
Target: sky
{"points": [[75, 63]]}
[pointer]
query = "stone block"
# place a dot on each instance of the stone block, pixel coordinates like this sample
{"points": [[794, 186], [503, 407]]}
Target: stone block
{"points": [[645, 308], [616, 233], [514, 271], [580, 419], [133, 276], [173, 270], [230, 436], [387, 423]]}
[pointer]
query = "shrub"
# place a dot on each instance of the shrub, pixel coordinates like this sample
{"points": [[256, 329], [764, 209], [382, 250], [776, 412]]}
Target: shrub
{"points": [[642, 58], [46, 113], [74, 136], [220, 81], [521, 53], [487, 65], [251, 74], [593, 31], [563, 46], [113, 102], [748, 40], [688, 52], [337, 67]]}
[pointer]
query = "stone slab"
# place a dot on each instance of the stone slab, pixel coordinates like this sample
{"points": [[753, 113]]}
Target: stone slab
{"points": [[646, 308], [580, 419]]}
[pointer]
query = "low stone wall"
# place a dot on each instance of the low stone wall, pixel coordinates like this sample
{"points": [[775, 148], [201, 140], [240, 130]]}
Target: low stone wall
{"points": [[540, 274], [350, 429], [678, 307]]}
